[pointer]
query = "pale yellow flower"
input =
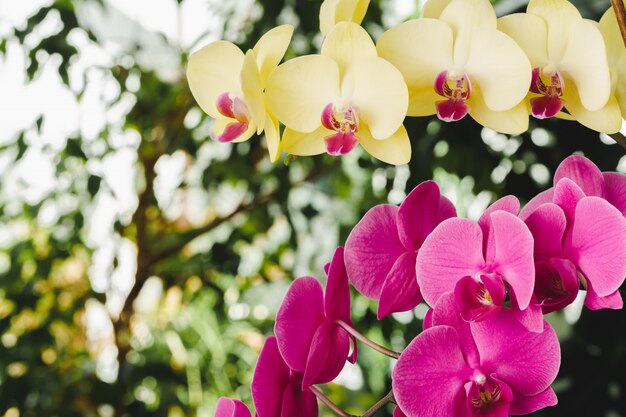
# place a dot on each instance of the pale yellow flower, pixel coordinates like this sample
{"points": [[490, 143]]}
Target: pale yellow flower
{"points": [[335, 11], [616, 54]]}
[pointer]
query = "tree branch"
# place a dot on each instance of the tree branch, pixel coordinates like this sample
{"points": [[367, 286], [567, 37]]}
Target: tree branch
{"points": [[619, 138], [620, 14], [380, 404]]}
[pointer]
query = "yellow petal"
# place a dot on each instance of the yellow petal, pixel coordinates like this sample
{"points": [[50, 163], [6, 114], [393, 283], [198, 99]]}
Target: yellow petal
{"points": [[395, 150], [335, 11], [272, 135], [530, 33], [420, 49], [298, 90], [559, 16], [513, 121], [380, 105], [252, 90], [271, 48], [220, 124], [212, 71], [584, 62], [612, 37], [433, 8], [305, 144], [608, 119], [346, 43], [500, 67], [464, 16], [328, 10]]}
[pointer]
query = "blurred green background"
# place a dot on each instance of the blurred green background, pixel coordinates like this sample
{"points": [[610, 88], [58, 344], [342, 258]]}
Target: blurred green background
{"points": [[141, 264]]}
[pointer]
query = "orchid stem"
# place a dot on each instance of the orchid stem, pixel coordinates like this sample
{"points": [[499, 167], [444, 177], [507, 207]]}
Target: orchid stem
{"points": [[380, 404], [323, 398], [620, 14], [368, 342]]}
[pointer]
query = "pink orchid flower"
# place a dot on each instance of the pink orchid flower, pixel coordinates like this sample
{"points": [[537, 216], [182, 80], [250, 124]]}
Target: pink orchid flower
{"points": [[491, 368], [277, 390], [475, 260], [307, 328], [227, 407], [381, 250], [578, 239], [610, 186]]}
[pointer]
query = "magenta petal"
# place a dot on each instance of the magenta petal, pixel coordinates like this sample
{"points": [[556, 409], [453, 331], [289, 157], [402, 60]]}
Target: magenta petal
{"points": [[475, 301], [372, 248], [499, 392], [446, 313], [531, 317], [337, 297], [612, 301], [567, 195], [507, 203], [528, 362], [297, 320], [400, 290], [599, 244], [398, 413], [271, 378], [227, 407], [429, 375], [420, 213], [583, 172], [451, 110], [546, 106], [452, 251], [615, 188], [556, 284], [232, 131], [328, 117], [224, 105], [527, 405], [296, 402], [513, 257], [329, 351], [541, 198], [340, 143], [547, 225]]}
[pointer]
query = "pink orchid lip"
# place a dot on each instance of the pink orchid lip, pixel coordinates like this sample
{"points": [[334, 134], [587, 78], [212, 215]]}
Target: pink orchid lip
{"points": [[486, 395], [235, 109], [344, 140], [550, 85], [479, 297], [456, 90]]}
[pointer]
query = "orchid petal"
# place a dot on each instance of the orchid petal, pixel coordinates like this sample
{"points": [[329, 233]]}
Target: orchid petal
{"points": [[432, 359], [227, 407], [334, 11], [615, 188], [337, 296], [531, 317], [556, 284], [511, 122], [372, 248], [381, 106], [607, 120], [298, 91], [530, 33], [583, 172], [340, 143], [272, 136], [305, 144], [296, 402], [395, 150], [347, 43], [432, 9], [328, 354], [253, 90], [526, 405], [471, 299], [298, 319], [271, 378], [535, 202], [567, 194], [226, 130], [507, 203], [400, 291], [547, 225], [612, 301], [452, 251], [559, 16], [397, 412], [496, 408], [212, 71], [270, 50]]}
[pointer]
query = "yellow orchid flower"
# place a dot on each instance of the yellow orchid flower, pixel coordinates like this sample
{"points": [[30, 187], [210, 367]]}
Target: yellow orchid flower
{"points": [[344, 96], [455, 62], [616, 54], [335, 11], [228, 85], [570, 68]]}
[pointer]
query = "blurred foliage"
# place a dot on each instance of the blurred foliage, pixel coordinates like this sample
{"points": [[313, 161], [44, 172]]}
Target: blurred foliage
{"points": [[165, 309]]}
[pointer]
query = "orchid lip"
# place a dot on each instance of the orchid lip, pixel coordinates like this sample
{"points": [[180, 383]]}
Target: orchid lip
{"points": [[550, 85], [457, 90], [345, 123], [235, 109]]}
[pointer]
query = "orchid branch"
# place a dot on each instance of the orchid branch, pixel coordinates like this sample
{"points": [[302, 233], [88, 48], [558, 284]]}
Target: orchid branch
{"points": [[368, 342], [620, 14], [323, 398], [380, 404]]}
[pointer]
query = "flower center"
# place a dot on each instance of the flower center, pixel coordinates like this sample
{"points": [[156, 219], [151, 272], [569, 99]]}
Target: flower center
{"points": [[344, 122], [457, 90], [235, 109], [487, 393], [549, 84]]}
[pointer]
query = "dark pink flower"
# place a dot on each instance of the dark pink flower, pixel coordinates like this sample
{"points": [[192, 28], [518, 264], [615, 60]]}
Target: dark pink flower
{"points": [[277, 390], [474, 261], [491, 368], [227, 407], [382, 248], [308, 335], [578, 238]]}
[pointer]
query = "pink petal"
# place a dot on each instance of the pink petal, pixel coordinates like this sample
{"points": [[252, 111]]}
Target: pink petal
{"points": [[421, 211], [599, 244], [507, 203], [400, 290], [547, 225], [372, 248], [531, 317], [224, 105], [556, 284], [528, 362], [328, 118], [567, 195], [271, 378], [337, 297], [295, 402], [452, 251], [471, 297], [546, 106], [541, 198], [451, 110], [227, 407], [429, 375], [328, 354], [502, 396], [583, 172], [340, 143], [612, 301], [527, 405], [615, 188], [398, 413], [297, 320], [513, 257], [231, 132]]}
